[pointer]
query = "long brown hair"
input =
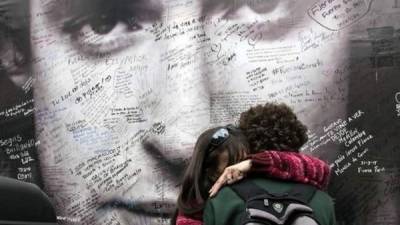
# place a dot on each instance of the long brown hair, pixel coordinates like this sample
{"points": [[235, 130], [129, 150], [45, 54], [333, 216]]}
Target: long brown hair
{"points": [[203, 164]]}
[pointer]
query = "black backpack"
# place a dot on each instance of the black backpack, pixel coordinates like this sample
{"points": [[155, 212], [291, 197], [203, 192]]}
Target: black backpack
{"points": [[265, 208]]}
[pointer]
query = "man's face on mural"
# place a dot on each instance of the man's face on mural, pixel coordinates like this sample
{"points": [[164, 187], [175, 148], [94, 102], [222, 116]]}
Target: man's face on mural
{"points": [[124, 88]]}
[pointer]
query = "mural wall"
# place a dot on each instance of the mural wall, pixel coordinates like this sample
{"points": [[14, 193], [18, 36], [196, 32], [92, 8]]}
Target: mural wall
{"points": [[101, 101]]}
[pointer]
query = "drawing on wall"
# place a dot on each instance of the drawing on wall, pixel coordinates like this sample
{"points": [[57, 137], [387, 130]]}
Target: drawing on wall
{"points": [[101, 101]]}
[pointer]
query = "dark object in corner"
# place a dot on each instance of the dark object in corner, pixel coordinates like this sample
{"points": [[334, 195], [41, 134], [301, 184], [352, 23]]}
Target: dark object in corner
{"points": [[24, 203]]}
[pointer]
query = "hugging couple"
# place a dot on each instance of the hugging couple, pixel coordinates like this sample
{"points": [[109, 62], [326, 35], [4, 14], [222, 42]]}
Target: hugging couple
{"points": [[265, 150]]}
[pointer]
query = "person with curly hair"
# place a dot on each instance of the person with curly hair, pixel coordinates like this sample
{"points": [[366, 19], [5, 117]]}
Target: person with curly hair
{"points": [[273, 126], [275, 136]]}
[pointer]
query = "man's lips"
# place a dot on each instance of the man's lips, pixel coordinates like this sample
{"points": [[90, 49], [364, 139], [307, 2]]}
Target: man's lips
{"points": [[149, 208]]}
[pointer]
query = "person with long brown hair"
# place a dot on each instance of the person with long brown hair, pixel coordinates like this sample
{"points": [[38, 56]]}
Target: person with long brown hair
{"points": [[215, 149]]}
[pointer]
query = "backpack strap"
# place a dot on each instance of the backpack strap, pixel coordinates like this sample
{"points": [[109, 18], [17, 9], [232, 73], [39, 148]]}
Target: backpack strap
{"points": [[247, 189], [303, 192]]}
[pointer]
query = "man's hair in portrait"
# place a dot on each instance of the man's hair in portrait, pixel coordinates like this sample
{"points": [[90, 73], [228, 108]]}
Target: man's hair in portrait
{"points": [[273, 127]]}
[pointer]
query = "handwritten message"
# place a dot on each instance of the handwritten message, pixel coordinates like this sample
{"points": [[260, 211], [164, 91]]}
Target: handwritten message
{"points": [[338, 14]]}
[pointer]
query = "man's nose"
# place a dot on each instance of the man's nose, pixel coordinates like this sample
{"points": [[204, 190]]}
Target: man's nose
{"points": [[184, 108]]}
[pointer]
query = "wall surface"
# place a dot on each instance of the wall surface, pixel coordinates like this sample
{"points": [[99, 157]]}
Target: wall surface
{"points": [[101, 101]]}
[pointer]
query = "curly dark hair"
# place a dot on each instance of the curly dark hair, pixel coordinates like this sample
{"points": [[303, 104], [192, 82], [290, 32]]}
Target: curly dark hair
{"points": [[273, 127]]}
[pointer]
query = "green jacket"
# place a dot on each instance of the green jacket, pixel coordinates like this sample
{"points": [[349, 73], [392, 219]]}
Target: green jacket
{"points": [[227, 206]]}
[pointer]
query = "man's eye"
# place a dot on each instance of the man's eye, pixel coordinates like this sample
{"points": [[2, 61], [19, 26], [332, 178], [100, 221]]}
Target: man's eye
{"points": [[258, 8], [102, 32], [261, 20], [108, 31], [240, 9], [263, 6], [103, 24]]}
